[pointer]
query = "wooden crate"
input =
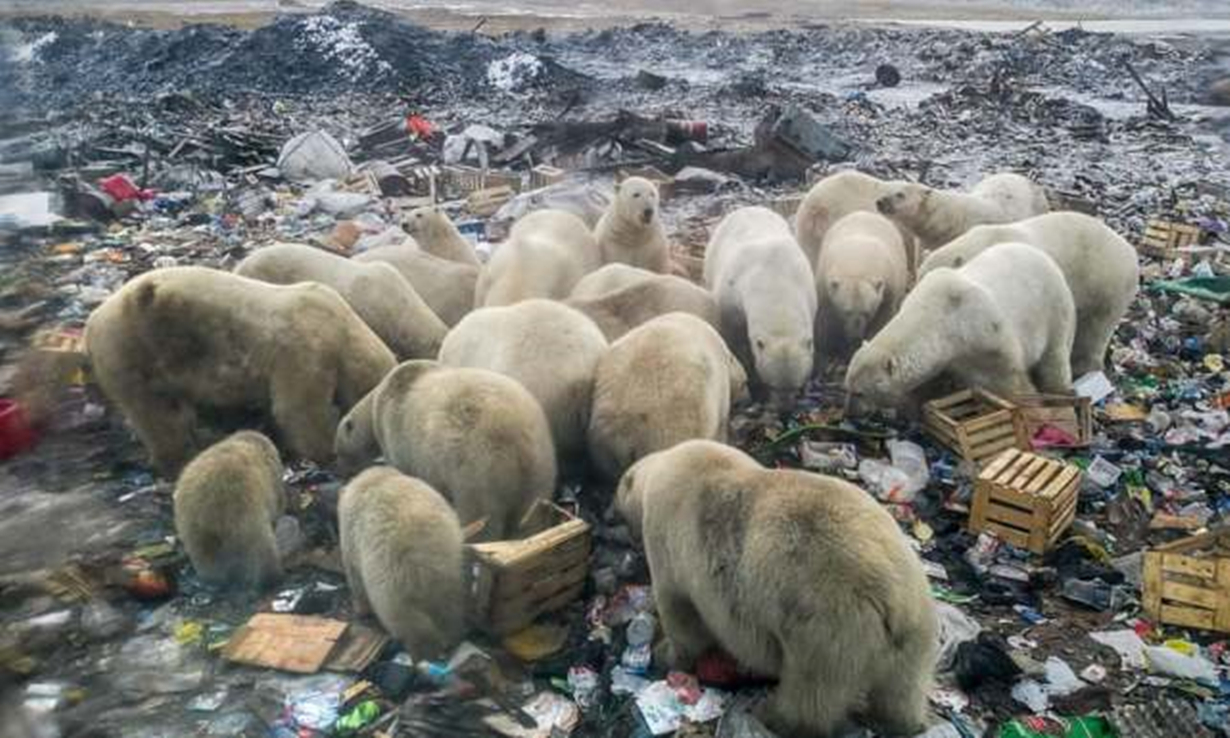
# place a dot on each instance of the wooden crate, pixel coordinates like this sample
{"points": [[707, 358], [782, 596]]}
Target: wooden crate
{"points": [[466, 180], [1187, 583], [1070, 413], [545, 175], [975, 424], [1025, 499], [1164, 238], [485, 202], [513, 582]]}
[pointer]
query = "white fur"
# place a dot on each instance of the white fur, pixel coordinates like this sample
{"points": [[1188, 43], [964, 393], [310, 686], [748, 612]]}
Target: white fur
{"points": [[551, 349], [939, 216], [1004, 322], [609, 278], [630, 231], [546, 254], [861, 278], [436, 234], [1101, 269], [666, 381], [446, 286], [832, 199], [766, 297]]}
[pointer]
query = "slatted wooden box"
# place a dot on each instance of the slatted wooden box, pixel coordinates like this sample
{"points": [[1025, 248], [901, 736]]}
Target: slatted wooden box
{"points": [[1164, 238], [1071, 414], [545, 175], [513, 582], [466, 180], [485, 202], [1187, 583], [1025, 499], [975, 424]]}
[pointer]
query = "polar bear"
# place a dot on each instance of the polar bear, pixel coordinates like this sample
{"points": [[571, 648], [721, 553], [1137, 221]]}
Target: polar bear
{"points": [[550, 348], [666, 381], [227, 501], [619, 311], [1102, 271], [435, 234], [402, 553], [798, 576], [609, 278], [835, 197], [546, 254], [1003, 322], [382, 298], [630, 231], [861, 278], [176, 342], [766, 297], [938, 216], [446, 286], [477, 437]]}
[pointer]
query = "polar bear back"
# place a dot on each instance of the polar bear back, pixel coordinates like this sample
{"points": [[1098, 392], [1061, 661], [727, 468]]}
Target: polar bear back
{"points": [[546, 254]]}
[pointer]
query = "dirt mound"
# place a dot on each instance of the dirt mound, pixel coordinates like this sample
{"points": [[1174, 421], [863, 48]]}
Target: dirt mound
{"points": [[345, 47]]}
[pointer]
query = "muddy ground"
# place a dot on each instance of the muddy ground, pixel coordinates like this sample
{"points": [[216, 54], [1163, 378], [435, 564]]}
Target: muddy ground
{"points": [[1057, 106]]}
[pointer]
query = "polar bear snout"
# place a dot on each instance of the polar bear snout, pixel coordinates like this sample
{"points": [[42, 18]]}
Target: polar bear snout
{"points": [[885, 205]]}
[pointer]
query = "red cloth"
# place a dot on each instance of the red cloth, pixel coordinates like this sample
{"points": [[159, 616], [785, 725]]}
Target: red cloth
{"points": [[121, 188]]}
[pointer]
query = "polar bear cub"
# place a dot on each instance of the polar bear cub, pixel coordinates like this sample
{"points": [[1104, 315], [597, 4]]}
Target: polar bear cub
{"points": [[796, 575], [402, 553]]}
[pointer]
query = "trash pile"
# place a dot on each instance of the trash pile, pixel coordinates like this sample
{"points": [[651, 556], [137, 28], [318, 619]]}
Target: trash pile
{"points": [[132, 149]]}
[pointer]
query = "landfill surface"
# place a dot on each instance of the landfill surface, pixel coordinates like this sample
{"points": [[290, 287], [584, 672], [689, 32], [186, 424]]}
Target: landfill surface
{"points": [[106, 630]]}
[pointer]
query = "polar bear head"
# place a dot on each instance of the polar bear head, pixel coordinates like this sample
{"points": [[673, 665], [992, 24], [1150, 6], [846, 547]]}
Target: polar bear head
{"points": [[354, 443], [856, 302], [636, 201], [904, 202], [783, 354], [426, 223]]}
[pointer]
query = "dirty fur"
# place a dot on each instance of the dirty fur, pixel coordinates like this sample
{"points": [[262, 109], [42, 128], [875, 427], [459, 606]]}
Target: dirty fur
{"points": [[630, 231], [401, 548], [446, 286], [551, 349], [377, 292], [546, 254], [227, 502], [1003, 322], [798, 576], [174, 342], [766, 296], [477, 437], [435, 234], [666, 381], [1102, 271], [619, 311]]}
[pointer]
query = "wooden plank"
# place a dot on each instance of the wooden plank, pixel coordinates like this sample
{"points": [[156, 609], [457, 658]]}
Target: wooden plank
{"points": [[1187, 617], [996, 400], [988, 420], [512, 620], [998, 464], [1010, 516], [1187, 544], [542, 585], [1067, 478], [1011, 535], [1009, 496], [513, 553], [295, 643], [1179, 564], [1189, 595], [1151, 579], [989, 450], [950, 400], [992, 433], [1043, 476], [1004, 479], [1032, 469]]}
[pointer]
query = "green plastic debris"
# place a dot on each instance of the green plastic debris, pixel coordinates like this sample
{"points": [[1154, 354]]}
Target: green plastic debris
{"points": [[1216, 289], [360, 716], [1088, 726]]}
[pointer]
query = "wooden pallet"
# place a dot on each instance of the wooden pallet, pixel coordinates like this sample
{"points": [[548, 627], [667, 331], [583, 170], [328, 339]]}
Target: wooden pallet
{"points": [[1070, 413], [975, 424], [1187, 583], [1164, 238], [513, 582], [1025, 499]]}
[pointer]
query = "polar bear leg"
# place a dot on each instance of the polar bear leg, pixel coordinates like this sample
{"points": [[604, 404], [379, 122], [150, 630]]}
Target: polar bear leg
{"points": [[1053, 373], [812, 697], [303, 409], [687, 638], [165, 426]]}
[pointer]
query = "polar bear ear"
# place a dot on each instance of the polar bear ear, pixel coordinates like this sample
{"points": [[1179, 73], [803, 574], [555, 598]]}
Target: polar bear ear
{"points": [[890, 366], [957, 261]]}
